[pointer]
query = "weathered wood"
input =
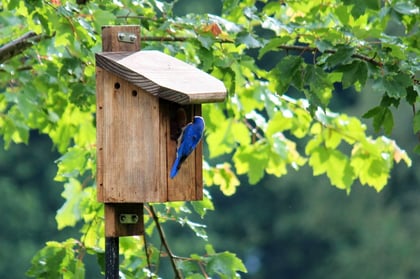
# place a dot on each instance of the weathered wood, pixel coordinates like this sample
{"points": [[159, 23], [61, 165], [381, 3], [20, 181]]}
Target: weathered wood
{"points": [[139, 97], [110, 40], [164, 76], [107, 96], [132, 169], [135, 150], [100, 124], [188, 184], [113, 226]]}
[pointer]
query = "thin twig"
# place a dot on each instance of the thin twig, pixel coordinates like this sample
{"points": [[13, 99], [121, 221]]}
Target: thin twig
{"points": [[19, 45], [198, 261], [165, 243], [332, 51], [149, 266], [165, 39], [140, 17]]}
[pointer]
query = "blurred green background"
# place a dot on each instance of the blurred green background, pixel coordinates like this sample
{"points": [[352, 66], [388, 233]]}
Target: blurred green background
{"points": [[294, 227]]}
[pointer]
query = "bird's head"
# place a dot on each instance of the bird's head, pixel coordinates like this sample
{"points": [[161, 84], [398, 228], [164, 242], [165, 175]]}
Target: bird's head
{"points": [[198, 121]]}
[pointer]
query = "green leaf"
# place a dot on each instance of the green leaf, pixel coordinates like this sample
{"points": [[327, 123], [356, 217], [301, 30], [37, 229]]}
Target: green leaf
{"points": [[382, 116], [206, 40], [47, 262], [276, 25], [70, 213], [223, 176], [372, 112], [272, 45], [224, 265], [416, 122], [197, 228], [201, 207], [359, 6], [323, 45], [353, 72], [343, 55], [387, 101], [285, 71], [247, 39], [221, 132], [281, 121], [335, 164], [320, 86], [394, 85], [388, 121], [102, 18], [194, 276], [71, 164], [411, 95], [343, 14], [252, 160], [371, 171], [406, 8], [57, 260], [318, 160]]}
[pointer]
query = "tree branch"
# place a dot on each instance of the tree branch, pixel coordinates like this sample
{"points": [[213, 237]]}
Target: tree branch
{"points": [[368, 59], [164, 242], [315, 49], [284, 47], [19, 45], [166, 39]]}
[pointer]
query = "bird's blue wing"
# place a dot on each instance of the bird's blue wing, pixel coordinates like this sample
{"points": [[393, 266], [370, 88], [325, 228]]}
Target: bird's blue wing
{"points": [[190, 137]]}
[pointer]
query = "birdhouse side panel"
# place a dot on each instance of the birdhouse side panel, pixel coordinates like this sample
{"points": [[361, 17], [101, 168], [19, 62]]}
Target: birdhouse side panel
{"points": [[187, 184], [131, 153], [99, 133]]}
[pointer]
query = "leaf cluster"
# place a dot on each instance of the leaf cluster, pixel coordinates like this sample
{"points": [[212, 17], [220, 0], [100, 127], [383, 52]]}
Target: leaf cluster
{"points": [[280, 63]]}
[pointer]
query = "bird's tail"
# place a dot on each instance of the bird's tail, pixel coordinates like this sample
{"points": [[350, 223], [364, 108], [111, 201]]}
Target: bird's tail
{"points": [[175, 168]]}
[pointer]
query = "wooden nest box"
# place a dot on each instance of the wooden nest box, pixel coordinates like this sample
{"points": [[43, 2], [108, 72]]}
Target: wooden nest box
{"points": [[144, 99]]}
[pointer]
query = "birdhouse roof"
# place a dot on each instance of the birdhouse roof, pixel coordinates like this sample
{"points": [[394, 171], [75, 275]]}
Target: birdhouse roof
{"points": [[163, 76]]}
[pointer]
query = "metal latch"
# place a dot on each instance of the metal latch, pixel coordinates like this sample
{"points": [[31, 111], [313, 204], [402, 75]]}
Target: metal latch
{"points": [[129, 218], [127, 37]]}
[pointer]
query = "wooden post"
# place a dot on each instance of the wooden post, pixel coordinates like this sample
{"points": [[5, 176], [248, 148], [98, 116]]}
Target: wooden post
{"points": [[114, 39]]}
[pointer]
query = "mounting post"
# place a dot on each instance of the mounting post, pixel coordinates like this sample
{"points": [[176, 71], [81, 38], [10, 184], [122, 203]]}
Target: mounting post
{"points": [[112, 257]]}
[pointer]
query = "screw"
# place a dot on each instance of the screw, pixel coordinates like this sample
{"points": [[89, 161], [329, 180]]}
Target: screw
{"points": [[132, 37], [134, 218]]}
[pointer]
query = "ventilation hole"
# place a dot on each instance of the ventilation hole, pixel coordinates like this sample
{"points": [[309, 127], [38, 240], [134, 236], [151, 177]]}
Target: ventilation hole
{"points": [[117, 85], [134, 93]]}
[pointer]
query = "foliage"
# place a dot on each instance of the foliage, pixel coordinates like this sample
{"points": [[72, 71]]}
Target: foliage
{"points": [[278, 115]]}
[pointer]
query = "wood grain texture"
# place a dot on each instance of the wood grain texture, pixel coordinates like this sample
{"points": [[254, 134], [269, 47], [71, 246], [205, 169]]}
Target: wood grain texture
{"points": [[138, 97], [188, 184], [114, 228], [100, 124], [110, 40], [131, 143], [164, 76], [110, 142]]}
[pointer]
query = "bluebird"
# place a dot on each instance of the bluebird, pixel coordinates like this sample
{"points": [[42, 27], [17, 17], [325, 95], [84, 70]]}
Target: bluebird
{"points": [[190, 136]]}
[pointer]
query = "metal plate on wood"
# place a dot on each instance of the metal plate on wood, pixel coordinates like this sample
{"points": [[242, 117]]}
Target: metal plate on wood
{"points": [[127, 37], [129, 218]]}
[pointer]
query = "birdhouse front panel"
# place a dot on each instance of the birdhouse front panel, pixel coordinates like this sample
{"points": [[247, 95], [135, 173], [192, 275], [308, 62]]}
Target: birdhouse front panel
{"points": [[130, 161]]}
